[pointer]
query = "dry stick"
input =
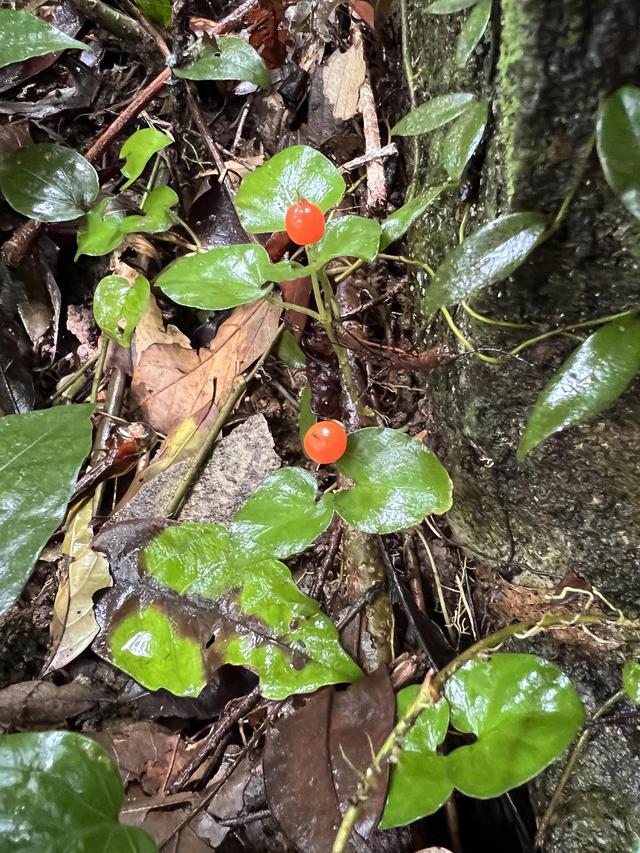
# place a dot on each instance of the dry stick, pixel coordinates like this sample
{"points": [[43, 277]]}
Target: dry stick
{"points": [[376, 188], [335, 537]]}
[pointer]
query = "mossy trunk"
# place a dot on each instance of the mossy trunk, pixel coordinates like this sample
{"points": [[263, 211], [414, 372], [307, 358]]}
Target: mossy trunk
{"points": [[573, 505]]}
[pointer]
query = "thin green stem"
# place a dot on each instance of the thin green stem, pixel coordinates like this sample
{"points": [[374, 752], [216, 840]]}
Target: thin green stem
{"points": [[152, 180], [409, 261], [482, 318], [463, 223], [466, 343], [73, 377], [409, 77], [190, 232], [97, 376], [291, 306], [317, 295], [349, 271]]}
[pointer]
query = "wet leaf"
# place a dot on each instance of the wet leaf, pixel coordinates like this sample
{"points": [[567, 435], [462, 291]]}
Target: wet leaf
{"points": [[591, 378], [156, 11], [48, 182], [486, 257], [618, 142], [398, 481], [419, 782], [299, 171], [118, 304], [346, 236], [282, 517], [61, 789], [463, 138], [524, 713], [139, 148], [25, 35], [472, 32], [156, 214], [398, 223], [289, 351], [435, 113], [631, 680], [41, 455], [306, 418], [229, 59], [448, 7]]}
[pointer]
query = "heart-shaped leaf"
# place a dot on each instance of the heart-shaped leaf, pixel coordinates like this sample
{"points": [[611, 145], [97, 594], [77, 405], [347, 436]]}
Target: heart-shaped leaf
{"points": [[448, 7], [463, 138], [41, 455], [398, 223], [398, 481], [229, 59], [618, 142], [297, 172], [138, 149], [631, 680], [100, 232], [591, 378], [25, 35], [282, 517], [118, 305], [472, 32], [289, 351], [156, 214], [488, 256], [419, 782], [62, 791], [435, 113], [48, 182], [306, 417], [346, 236], [524, 713], [156, 11]]}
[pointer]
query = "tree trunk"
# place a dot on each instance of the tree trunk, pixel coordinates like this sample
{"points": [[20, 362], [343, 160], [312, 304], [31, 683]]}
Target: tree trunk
{"points": [[573, 504]]}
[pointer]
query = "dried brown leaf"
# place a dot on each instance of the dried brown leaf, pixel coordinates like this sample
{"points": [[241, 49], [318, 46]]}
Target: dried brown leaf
{"points": [[40, 703], [342, 77]]}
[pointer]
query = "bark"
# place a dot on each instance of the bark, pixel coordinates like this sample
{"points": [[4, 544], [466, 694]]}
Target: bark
{"points": [[573, 503]]}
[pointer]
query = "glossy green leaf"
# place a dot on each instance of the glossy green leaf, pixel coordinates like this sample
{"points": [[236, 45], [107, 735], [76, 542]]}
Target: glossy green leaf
{"points": [[435, 113], [472, 31], [156, 215], [306, 417], [524, 713], [289, 351], [60, 791], [100, 232], [118, 305], [40, 456], [398, 481], [25, 35], [618, 142], [48, 182], [229, 59], [148, 645], [156, 11], [486, 257], [591, 378], [631, 680], [398, 223], [448, 7], [139, 148], [282, 517], [463, 138], [419, 783], [267, 624], [217, 279], [297, 172], [346, 236]]}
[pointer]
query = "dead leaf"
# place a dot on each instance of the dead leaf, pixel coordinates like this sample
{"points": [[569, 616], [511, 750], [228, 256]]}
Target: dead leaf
{"points": [[151, 330], [41, 703], [14, 136], [343, 75], [365, 11]]}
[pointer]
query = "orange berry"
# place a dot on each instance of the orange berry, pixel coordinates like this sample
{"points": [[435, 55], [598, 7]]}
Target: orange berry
{"points": [[325, 442], [304, 222]]}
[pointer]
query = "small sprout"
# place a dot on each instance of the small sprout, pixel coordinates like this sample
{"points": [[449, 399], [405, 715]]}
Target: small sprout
{"points": [[325, 442], [304, 222]]}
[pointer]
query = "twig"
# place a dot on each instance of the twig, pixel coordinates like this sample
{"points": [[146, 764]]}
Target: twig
{"points": [[439, 590], [241, 122], [389, 150], [376, 188], [122, 26], [97, 376], [335, 537], [71, 378]]}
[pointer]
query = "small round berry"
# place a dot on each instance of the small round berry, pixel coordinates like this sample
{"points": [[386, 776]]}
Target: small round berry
{"points": [[325, 442], [304, 222]]}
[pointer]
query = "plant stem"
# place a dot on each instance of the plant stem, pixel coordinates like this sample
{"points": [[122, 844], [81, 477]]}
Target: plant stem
{"points": [[191, 233], [349, 271], [466, 343], [409, 261], [74, 376], [332, 313], [97, 376], [505, 324], [291, 306]]}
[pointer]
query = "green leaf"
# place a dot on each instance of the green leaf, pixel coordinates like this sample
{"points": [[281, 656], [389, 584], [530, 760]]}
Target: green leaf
{"points": [[266, 623], [156, 11], [346, 236], [118, 305], [25, 35], [448, 7], [306, 418], [591, 378], [229, 59], [618, 143], [139, 148], [631, 680], [463, 138], [524, 713], [419, 783], [62, 791], [48, 182], [149, 646], [289, 351], [156, 215], [100, 232], [41, 455], [472, 32], [217, 279], [397, 481], [398, 223], [297, 172], [282, 517], [488, 256], [435, 113]]}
